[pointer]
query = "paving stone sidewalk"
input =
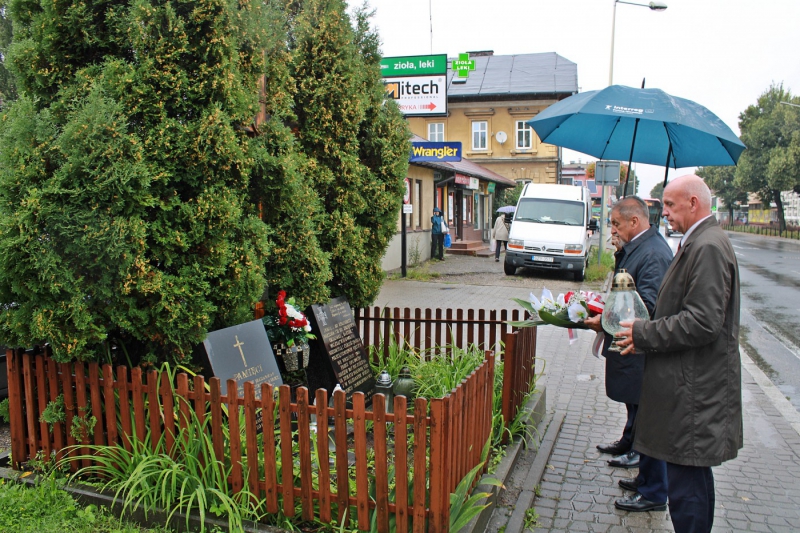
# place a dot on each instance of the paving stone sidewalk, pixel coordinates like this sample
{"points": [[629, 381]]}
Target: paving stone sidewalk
{"points": [[758, 491]]}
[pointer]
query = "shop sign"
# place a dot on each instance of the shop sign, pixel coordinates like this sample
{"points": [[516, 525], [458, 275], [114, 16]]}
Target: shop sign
{"points": [[418, 95], [435, 151], [463, 65], [474, 183], [490, 188], [413, 65], [461, 179]]}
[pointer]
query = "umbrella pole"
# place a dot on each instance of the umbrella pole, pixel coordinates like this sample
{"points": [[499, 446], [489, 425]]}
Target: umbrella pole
{"points": [[630, 159], [666, 170]]}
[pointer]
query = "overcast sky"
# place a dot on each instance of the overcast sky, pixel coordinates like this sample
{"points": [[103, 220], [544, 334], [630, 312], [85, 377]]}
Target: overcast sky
{"points": [[720, 53]]}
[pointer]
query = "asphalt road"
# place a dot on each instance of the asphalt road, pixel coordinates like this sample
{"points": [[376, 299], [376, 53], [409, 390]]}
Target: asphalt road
{"points": [[769, 270]]}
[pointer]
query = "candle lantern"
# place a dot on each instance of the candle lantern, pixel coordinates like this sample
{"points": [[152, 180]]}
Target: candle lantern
{"points": [[623, 303], [404, 384], [383, 385]]}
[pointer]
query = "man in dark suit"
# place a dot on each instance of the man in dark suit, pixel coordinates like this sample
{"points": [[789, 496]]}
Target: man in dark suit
{"points": [[646, 256], [690, 410]]}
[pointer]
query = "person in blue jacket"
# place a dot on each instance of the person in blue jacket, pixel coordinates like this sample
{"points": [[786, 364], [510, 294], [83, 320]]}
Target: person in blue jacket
{"points": [[437, 236], [646, 256]]}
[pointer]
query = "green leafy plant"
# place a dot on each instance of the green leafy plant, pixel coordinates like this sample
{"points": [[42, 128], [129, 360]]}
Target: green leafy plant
{"points": [[4, 414], [54, 412], [531, 519], [190, 478], [465, 506]]}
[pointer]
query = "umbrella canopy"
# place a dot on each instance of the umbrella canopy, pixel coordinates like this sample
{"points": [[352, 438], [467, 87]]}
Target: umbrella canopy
{"points": [[507, 209], [639, 125]]}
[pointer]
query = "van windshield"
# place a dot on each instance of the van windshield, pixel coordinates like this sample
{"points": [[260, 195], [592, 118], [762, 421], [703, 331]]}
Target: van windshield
{"points": [[546, 211]]}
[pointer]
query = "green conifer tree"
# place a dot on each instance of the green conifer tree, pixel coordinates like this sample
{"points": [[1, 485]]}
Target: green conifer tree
{"points": [[358, 145], [289, 203], [124, 175]]}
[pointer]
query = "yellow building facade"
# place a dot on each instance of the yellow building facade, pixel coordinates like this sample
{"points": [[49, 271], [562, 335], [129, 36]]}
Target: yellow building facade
{"points": [[487, 113]]}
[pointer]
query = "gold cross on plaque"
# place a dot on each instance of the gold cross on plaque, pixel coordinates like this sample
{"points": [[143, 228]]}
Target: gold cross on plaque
{"points": [[239, 345]]}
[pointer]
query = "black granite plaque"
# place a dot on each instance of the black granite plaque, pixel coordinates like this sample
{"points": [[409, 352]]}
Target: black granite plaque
{"points": [[243, 353], [338, 355]]}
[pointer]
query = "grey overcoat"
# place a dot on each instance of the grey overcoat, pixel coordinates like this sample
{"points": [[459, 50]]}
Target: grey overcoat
{"points": [[690, 410]]}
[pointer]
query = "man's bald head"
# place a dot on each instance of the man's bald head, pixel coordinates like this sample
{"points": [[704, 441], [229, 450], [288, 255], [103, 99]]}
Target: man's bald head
{"points": [[687, 200]]}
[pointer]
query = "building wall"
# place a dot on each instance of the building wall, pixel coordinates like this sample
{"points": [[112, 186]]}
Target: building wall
{"points": [[538, 164], [418, 224]]}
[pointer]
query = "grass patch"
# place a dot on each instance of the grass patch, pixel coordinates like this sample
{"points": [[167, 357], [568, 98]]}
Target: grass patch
{"points": [[419, 273], [45, 508], [595, 272]]}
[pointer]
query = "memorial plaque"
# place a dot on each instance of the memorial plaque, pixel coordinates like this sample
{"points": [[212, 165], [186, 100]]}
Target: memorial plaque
{"points": [[243, 353], [338, 355]]}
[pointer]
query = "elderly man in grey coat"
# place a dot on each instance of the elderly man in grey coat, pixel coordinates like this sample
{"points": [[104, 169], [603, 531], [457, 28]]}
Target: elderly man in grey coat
{"points": [[690, 410]]}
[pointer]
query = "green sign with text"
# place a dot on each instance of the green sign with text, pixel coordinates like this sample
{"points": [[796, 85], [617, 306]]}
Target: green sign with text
{"points": [[463, 65], [413, 65]]}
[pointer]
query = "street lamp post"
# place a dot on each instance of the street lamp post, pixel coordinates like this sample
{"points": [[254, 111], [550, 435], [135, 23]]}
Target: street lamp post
{"points": [[655, 5]]}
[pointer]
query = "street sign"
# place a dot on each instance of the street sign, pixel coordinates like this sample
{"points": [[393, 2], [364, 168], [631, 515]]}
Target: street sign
{"points": [[408, 208], [407, 195], [413, 65], [606, 173], [418, 95], [463, 65]]}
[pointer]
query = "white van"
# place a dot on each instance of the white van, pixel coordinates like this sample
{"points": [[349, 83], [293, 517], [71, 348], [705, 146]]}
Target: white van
{"points": [[551, 229]]}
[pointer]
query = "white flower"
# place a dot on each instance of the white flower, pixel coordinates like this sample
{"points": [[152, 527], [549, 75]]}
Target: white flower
{"points": [[577, 312], [535, 301]]}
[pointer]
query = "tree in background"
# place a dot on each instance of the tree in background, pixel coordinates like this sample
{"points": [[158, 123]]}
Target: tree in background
{"points": [[8, 90], [124, 172], [721, 180], [657, 191], [358, 145], [771, 162]]}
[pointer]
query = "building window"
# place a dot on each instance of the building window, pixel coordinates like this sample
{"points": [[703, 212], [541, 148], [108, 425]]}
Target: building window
{"points": [[479, 133], [524, 136], [436, 132]]}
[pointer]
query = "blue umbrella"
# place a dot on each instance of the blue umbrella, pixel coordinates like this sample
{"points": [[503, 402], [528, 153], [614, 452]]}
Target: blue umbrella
{"points": [[641, 125]]}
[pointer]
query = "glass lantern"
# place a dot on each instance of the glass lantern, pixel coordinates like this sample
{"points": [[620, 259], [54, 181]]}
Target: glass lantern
{"points": [[622, 304], [383, 385]]}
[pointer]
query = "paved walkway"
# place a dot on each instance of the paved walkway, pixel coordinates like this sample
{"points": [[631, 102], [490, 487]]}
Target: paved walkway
{"points": [[758, 491]]}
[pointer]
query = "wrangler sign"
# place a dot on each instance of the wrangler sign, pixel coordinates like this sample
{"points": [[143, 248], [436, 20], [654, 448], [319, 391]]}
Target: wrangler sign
{"points": [[435, 151]]}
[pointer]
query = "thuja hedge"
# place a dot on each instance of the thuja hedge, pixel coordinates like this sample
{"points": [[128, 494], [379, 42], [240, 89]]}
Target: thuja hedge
{"points": [[140, 207]]}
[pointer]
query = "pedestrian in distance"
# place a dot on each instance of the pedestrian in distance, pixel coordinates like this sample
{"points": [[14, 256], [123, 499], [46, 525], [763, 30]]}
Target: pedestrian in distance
{"points": [[437, 234], [502, 227], [646, 256], [690, 410]]}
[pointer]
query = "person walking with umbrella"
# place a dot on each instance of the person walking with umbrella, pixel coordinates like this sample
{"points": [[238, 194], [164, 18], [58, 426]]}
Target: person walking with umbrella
{"points": [[502, 227]]}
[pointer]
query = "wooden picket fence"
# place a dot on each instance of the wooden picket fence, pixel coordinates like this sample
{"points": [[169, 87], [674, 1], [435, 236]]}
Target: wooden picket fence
{"points": [[441, 441], [447, 442], [426, 329]]}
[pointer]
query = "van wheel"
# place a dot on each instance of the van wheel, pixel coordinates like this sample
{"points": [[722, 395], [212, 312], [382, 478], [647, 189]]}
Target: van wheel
{"points": [[509, 269], [580, 274]]}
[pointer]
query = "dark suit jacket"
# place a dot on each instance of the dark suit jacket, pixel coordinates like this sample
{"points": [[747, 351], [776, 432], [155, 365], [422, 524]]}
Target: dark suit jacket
{"points": [[690, 410], [646, 259]]}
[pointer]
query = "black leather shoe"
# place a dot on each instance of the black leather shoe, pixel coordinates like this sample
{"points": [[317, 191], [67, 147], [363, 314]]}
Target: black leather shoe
{"points": [[638, 504], [627, 460], [629, 484], [615, 448]]}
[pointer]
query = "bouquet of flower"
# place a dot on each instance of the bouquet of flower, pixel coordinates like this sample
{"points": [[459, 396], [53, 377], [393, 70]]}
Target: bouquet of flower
{"points": [[566, 311], [289, 325]]}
